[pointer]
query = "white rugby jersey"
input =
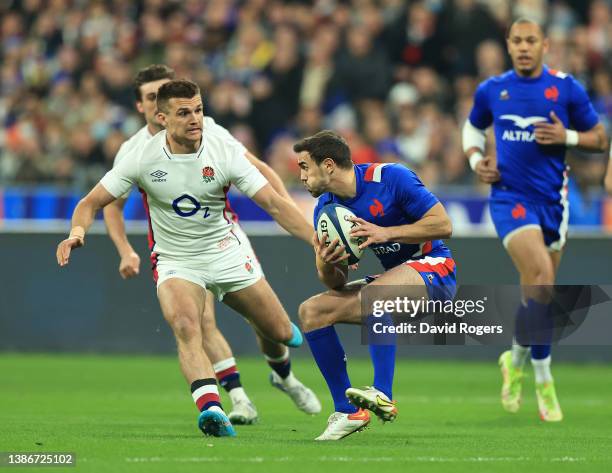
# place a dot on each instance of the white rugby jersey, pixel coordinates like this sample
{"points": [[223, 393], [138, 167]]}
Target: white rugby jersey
{"points": [[186, 194], [131, 146], [135, 142]]}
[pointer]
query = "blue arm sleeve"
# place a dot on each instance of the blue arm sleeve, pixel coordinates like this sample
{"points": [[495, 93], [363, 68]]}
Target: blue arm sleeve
{"points": [[481, 116], [581, 113], [409, 191]]}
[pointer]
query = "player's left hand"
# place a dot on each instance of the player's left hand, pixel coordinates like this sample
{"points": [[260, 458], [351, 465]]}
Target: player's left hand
{"points": [[550, 133], [372, 233], [129, 265]]}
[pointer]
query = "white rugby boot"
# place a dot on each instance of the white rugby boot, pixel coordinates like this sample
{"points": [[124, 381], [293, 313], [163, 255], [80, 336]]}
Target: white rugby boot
{"points": [[340, 425], [303, 398]]}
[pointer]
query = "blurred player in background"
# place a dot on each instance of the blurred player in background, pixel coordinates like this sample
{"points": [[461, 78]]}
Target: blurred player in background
{"points": [[146, 85], [184, 173], [392, 206], [532, 108]]}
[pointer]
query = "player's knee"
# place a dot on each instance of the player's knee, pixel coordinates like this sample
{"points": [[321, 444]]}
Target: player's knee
{"points": [[541, 275], [284, 332], [312, 316], [186, 327], [306, 315]]}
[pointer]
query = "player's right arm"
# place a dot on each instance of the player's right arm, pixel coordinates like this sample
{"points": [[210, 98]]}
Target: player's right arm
{"points": [[474, 137], [270, 174], [82, 218], [113, 185], [129, 265], [332, 269]]}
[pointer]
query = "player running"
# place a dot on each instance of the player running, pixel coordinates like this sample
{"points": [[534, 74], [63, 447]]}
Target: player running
{"points": [[183, 173], [146, 85], [531, 108], [402, 222]]}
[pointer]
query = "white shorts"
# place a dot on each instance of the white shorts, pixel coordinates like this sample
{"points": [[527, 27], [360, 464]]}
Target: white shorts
{"points": [[233, 268]]}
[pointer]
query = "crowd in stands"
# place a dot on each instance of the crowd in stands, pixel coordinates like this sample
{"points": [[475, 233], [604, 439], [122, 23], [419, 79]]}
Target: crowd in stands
{"points": [[394, 77]]}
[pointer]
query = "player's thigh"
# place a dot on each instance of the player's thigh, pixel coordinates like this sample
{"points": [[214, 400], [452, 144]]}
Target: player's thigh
{"points": [[182, 303], [401, 275], [260, 305], [555, 257], [403, 281], [531, 257], [331, 307]]}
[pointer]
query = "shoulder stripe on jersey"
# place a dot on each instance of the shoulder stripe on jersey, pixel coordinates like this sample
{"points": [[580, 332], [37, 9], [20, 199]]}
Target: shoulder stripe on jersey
{"points": [[559, 74], [374, 172]]}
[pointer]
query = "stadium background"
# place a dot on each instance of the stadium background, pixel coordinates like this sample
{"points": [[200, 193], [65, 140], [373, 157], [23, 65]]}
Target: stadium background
{"points": [[395, 78]]}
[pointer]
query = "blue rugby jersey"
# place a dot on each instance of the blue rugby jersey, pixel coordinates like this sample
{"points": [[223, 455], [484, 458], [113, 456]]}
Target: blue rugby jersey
{"points": [[389, 195], [513, 104]]}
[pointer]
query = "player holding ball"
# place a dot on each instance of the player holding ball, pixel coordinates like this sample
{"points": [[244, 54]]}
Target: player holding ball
{"points": [[403, 223]]}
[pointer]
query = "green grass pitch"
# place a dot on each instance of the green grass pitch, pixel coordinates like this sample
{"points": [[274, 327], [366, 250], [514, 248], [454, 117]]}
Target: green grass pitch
{"points": [[135, 414]]}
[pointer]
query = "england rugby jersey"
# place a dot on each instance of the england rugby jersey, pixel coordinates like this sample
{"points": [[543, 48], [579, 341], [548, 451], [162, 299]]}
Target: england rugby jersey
{"points": [[186, 194]]}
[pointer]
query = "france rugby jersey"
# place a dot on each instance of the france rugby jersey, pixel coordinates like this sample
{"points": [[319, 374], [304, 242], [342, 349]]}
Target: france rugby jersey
{"points": [[513, 104], [389, 195]]}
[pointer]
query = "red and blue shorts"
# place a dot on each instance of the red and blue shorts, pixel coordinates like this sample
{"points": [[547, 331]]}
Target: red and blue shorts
{"points": [[439, 274]]}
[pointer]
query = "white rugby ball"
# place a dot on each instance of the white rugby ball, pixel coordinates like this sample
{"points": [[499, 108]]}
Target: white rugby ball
{"points": [[334, 222]]}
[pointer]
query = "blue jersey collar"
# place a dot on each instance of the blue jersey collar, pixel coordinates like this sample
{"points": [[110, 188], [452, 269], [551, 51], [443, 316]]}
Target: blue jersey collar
{"points": [[358, 188], [530, 79]]}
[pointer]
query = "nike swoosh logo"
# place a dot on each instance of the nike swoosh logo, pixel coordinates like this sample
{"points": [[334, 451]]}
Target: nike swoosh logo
{"points": [[383, 402], [361, 414]]}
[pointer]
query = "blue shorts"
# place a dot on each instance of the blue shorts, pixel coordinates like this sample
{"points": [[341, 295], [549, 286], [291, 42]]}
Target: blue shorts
{"points": [[511, 216], [439, 274]]}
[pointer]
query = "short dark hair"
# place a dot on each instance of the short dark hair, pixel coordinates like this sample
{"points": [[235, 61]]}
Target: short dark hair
{"points": [[178, 88], [326, 144], [151, 74], [523, 20]]}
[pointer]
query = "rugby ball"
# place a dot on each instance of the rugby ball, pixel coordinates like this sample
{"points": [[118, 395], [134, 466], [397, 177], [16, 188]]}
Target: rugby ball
{"points": [[334, 222]]}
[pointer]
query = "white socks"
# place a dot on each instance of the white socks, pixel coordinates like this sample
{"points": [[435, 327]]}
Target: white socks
{"points": [[519, 355], [541, 368]]}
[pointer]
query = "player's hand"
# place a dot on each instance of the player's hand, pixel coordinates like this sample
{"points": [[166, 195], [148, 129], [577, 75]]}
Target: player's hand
{"points": [[129, 265], [65, 247], [372, 233], [329, 252], [487, 171], [550, 133]]}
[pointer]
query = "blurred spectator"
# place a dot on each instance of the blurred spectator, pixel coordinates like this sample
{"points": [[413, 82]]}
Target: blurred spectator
{"points": [[466, 25], [362, 71]]}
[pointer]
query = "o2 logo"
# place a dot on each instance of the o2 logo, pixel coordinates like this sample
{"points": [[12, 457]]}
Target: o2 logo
{"points": [[195, 207]]}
